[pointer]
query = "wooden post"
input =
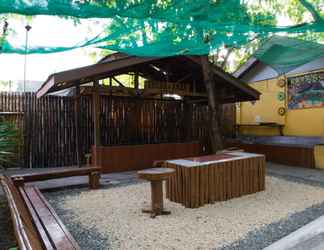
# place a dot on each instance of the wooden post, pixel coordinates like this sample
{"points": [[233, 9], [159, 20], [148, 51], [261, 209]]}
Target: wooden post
{"points": [[94, 180], [215, 134], [110, 86], [136, 81], [188, 120], [157, 197], [18, 181], [96, 113], [77, 124]]}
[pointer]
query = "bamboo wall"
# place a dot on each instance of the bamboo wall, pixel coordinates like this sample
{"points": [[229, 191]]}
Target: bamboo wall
{"points": [[48, 128]]}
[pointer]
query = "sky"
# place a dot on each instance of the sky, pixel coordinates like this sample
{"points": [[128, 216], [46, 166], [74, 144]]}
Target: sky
{"points": [[52, 31]]}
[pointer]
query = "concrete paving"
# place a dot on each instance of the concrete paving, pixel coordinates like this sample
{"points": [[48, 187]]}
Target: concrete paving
{"points": [[310, 236], [307, 174]]}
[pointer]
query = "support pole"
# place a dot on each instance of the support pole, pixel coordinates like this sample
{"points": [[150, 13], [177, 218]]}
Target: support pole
{"points": [[214, 105], [96, 113], [136, 81], [187, 122], [77, 124]]}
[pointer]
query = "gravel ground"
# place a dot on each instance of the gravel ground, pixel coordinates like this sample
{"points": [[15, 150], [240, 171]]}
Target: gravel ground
{"points": [[112, 219]]}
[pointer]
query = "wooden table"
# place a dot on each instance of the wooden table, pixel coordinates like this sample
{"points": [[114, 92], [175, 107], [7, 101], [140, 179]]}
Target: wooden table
{"points": [[212, 178], [156, 176]]}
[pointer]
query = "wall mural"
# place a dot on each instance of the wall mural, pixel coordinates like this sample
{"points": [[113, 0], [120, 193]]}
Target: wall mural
{"points": [[306, 91]]}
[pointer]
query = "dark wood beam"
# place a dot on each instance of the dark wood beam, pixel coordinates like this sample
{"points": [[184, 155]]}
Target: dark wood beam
{"points": [[96, 113], [136, 80], [91, 72], [119, 82]]}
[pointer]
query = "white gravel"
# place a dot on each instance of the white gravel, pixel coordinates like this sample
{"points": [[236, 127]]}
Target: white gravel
{"points": [[116, 213]]}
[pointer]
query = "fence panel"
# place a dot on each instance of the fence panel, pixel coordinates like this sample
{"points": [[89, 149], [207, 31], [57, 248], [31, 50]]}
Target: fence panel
{"points": [[48, 126]]}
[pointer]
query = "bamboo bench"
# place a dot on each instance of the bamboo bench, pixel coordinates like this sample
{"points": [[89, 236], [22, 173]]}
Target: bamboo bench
{"points": [[92, 172]]}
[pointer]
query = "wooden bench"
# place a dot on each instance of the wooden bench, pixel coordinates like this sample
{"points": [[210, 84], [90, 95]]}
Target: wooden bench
{"points": [[52, 232], [92, 172], [287, 150], [35, 222], [25, 231]]}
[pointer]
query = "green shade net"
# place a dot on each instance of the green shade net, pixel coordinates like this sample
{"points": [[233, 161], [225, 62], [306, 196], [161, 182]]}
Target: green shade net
{"points": [[160, 27], [284, 54]]}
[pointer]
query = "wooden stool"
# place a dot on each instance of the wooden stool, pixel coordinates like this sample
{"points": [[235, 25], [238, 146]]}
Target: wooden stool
{"points": [[156, 176]]}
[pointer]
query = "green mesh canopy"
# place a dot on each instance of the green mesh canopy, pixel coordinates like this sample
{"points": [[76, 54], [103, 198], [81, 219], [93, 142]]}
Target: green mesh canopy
{"points": [[160, 27], [284, 54]]}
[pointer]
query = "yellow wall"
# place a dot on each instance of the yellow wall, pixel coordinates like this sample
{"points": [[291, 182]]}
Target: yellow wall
{"points": [[298, 122]]}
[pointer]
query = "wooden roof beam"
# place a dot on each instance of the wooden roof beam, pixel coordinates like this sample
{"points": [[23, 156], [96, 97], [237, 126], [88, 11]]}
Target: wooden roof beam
{"points": [[89, 72]]}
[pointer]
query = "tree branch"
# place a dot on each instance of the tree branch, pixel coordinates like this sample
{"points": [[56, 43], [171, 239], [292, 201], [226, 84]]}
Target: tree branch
{"points": [[312, 10], [229, 51]]}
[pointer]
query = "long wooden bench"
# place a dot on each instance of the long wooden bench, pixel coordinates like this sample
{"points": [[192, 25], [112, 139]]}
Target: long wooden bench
{"points": [[287, 150], [92, 172], [53, 233], [35, 222], [25, 231]]}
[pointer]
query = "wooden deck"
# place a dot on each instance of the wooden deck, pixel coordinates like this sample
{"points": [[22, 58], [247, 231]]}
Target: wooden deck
{"points": [[199, 181]]}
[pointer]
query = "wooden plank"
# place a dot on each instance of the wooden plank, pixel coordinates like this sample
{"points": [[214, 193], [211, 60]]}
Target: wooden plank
{"points": [[57, 219], [50, 221], [38, 224], [24, 231]]}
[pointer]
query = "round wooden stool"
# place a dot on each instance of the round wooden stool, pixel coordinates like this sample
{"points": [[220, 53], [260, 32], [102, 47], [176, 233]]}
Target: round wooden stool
{"points": [[156, 176]]}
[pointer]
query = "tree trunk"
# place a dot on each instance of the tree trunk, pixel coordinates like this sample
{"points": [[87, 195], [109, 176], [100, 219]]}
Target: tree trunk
{"points": [[215, 133]]}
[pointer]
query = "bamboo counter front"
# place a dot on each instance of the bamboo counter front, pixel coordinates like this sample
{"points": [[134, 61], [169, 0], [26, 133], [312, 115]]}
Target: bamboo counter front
{"points": [[207, 179]]}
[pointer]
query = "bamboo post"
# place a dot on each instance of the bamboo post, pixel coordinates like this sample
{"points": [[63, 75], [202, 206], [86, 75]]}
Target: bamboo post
{"points": [[215, 134], [136, 81], [96, 113], [77, 124], [188, 120]]}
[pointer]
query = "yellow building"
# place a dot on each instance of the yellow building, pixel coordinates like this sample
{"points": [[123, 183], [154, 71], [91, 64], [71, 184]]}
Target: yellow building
{"points": [[291, 104]]}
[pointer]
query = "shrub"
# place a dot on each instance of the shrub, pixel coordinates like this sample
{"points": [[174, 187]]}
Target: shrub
{"points": [[9, 144]]}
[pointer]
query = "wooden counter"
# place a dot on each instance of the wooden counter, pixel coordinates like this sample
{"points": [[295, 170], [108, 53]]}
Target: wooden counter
{"points": [[212, 178]]}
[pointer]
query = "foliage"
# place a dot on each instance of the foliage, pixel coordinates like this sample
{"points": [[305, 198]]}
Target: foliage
{"points": [[296, 12], [165, 28], [9, 143], [171, 27], [4, 30]]}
